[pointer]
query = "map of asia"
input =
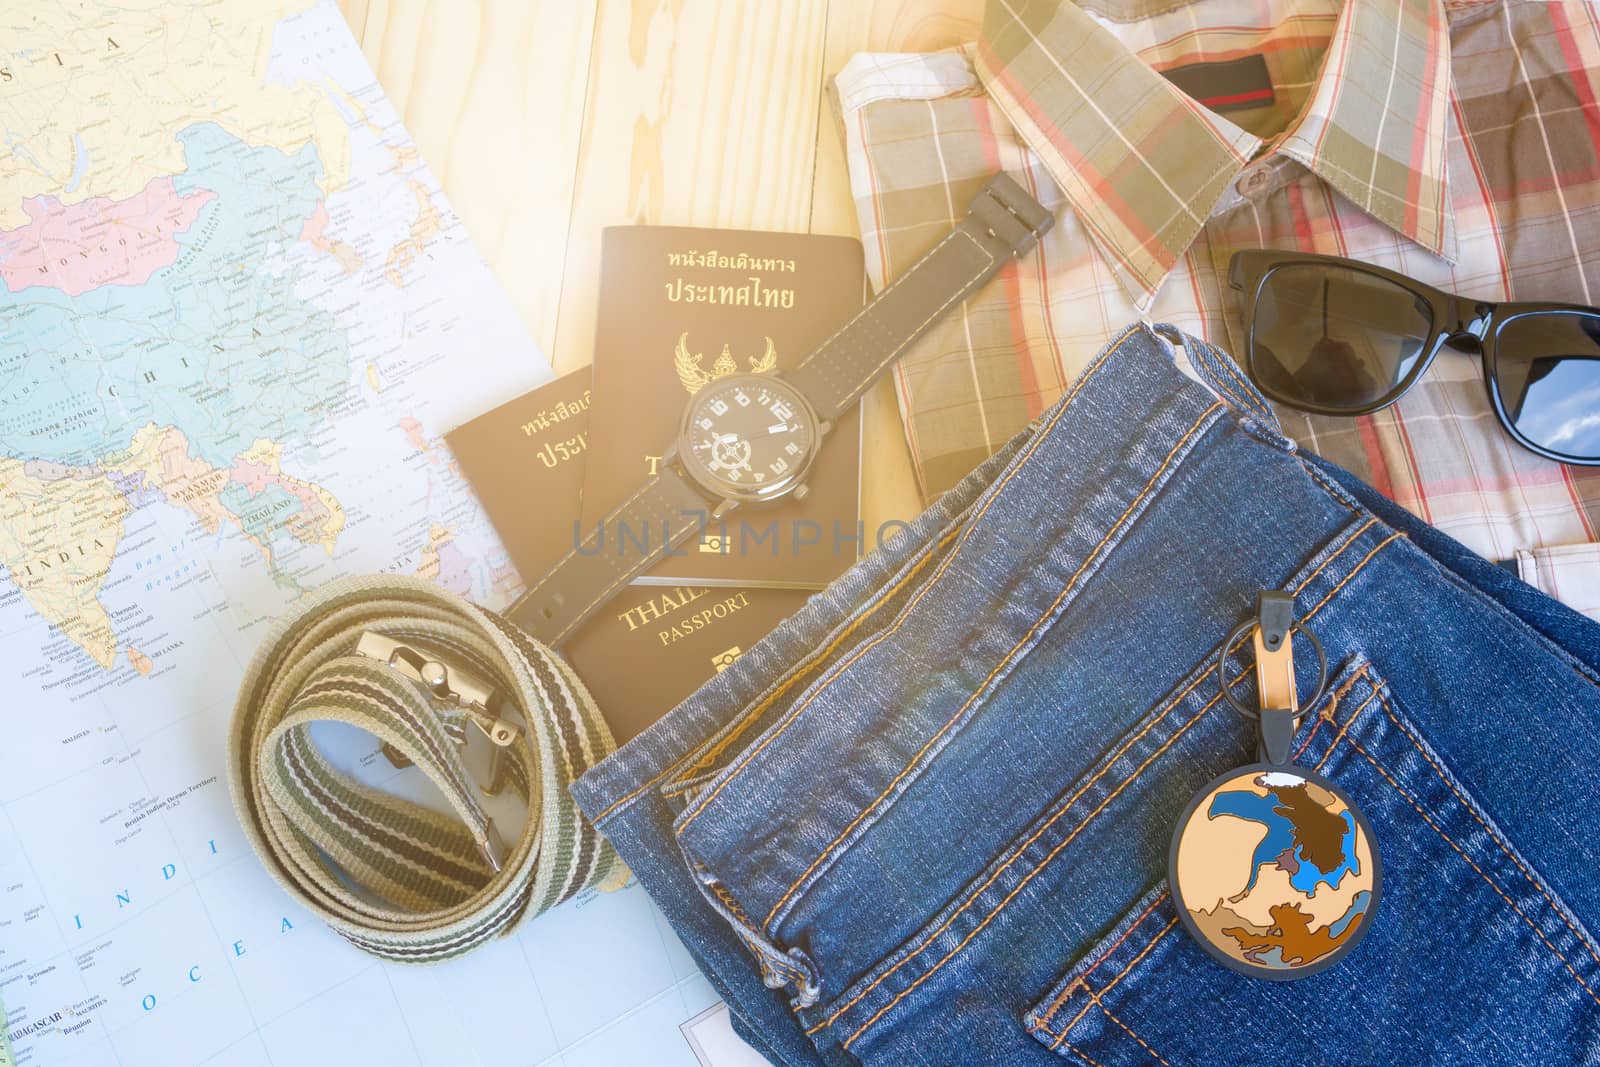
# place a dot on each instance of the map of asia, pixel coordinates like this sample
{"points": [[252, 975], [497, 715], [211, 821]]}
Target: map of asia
{"points": [[236, 317]]}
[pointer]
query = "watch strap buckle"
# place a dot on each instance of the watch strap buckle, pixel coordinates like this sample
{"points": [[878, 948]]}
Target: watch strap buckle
{"points": [[1010, 215]]}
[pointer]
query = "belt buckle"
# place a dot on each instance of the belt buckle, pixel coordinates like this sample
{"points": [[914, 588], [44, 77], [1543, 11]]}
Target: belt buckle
{"points": [[452, 683]]}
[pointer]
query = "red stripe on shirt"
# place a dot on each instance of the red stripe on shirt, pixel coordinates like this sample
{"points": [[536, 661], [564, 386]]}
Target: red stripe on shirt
{"points": [[1576, 72], [1099, 185], [1236, 98], [1377, 466]]}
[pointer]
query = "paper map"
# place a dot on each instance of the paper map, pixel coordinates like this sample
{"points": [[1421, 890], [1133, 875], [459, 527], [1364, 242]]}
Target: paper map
{"points": [[236, 316]]}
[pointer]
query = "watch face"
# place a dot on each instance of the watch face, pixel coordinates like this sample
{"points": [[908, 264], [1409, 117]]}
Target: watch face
{"points": [[748, 436]]}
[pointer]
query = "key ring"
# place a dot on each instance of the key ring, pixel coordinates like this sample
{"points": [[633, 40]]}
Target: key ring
{"points": [[1242, 631], [1273, 869]]}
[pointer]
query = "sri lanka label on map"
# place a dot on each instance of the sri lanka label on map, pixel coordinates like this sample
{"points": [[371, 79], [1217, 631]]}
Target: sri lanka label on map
{"points": [[236, 315]]}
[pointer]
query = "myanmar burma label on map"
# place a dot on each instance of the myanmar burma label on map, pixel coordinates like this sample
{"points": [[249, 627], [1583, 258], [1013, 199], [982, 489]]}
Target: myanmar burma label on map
{"points": [[236, 317]]}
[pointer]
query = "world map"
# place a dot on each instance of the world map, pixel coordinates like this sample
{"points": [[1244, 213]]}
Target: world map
{"points": [[1275, 871], [236, 316]]}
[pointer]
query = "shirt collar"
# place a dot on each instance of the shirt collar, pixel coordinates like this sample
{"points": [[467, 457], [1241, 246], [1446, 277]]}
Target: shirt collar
{"points": [[1143, 164]]}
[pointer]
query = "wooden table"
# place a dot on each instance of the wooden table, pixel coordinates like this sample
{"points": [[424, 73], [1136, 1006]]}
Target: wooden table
{"points": [[547, 120]]}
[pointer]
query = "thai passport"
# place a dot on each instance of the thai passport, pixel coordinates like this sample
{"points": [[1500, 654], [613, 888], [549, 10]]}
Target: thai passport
{"points": [[681, 307], [526, 459]]}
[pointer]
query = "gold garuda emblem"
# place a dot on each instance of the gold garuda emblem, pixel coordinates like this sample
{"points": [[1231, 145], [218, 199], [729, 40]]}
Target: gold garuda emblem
{"points": [[695, 377]]}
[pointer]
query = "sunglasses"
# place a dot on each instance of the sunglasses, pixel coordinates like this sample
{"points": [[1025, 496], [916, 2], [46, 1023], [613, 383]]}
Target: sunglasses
{"points": [[1338, 337]]}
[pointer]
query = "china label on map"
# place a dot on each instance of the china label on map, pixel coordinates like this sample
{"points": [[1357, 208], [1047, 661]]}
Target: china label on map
{"points": [[237, 315]]}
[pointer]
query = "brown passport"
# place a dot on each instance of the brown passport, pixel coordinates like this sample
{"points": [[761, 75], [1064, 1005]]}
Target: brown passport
{"points": [[526, 461], [652, 646], [680, 307]]}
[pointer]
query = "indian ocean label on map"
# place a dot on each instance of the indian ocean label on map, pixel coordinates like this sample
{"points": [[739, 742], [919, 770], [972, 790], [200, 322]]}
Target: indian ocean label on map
{"points": [[236, 315]]}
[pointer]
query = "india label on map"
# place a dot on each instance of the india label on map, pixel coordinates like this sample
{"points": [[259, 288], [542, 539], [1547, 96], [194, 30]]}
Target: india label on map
{"points": [[237, 315]]}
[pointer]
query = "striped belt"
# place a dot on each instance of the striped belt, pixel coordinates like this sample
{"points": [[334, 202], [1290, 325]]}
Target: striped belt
{"points": [[424, 672]]}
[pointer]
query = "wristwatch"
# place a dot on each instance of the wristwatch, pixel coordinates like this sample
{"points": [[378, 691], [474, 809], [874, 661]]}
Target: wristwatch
{"points": [[747, 439]]}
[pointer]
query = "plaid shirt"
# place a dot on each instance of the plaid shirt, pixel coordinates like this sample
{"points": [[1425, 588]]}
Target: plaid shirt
{"points": [[1458, 143]]}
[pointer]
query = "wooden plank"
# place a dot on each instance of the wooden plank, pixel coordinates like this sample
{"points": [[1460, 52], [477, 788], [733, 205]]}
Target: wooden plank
{"points": [[889, 485], [355, 13], [492, 90], [876, 26], [547, 122], [700, 113]]}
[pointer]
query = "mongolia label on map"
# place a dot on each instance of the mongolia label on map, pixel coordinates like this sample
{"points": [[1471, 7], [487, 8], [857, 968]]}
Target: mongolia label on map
{"points": [[236, 317]]}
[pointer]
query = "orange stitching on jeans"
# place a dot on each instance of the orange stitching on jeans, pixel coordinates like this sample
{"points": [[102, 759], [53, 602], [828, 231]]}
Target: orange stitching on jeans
{"points": [[1019, 850], [1042, 1022], [998, 667], [1084, 1056], [1083, 979], [1216, 386], [1357, 570], [1472, 809], [1063, 844], [1063, 809], [1250, 393], [993, 494], [1317, 571], [1343, 730], [1027, 877], [1330, 712], [1462, 852], [1153, 942], [1335, 494], [1017, 854], [1128, 1029], [1333, 744], [750, 717], [1135, 961], [728, 902], [710, 758]]}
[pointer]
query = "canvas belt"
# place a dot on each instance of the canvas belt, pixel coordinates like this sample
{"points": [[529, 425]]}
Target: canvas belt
{"points": [[430, 676]]}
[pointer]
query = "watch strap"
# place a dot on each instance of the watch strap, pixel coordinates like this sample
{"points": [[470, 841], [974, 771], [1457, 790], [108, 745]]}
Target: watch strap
{"points": [[1003, 222], [637, 533]]}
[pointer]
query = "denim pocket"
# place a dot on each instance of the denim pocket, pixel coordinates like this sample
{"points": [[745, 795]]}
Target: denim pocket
{"points": [[1471, 957]]}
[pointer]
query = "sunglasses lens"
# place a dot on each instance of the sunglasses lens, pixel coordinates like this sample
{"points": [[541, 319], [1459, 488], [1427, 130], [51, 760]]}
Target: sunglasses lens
{"points": [[1547, 369], [1334, 337]]}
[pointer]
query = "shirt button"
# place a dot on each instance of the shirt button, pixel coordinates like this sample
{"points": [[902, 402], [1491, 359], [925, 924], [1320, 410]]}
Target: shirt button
{"points": [[1252, 181]]}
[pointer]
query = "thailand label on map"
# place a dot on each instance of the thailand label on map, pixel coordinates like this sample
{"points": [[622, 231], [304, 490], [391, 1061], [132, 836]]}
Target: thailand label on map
{"points": [[236, 317]]}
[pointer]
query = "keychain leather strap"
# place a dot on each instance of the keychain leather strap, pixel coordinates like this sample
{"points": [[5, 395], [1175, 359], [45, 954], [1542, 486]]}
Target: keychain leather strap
{"points": [[423, 671]]}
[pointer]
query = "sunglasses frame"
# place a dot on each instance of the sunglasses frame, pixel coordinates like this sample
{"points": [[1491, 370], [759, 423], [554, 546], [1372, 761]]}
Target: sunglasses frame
{"points": [[1455, 319]]}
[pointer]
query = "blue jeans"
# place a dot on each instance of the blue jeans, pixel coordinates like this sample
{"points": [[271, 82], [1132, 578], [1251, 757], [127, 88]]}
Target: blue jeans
{"points": [[926, 821]]}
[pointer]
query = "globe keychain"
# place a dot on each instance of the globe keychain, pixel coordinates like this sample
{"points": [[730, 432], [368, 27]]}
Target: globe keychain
{"points": [[1273, 868]]}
